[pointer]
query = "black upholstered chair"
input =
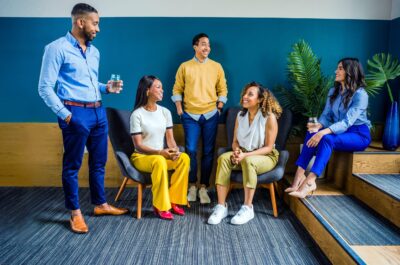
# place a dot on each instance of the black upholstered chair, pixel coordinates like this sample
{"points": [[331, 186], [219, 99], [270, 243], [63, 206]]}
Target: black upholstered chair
{"points": [[121, 141], [269, 179]]}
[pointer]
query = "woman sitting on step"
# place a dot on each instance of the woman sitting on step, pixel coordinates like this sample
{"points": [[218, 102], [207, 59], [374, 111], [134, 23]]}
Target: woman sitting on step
{"points": [[150, 123], [254, 150], [343, 126]]}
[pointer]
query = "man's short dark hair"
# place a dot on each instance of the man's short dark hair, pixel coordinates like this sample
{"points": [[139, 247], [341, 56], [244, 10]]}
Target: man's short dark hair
{"points": [[82, 9], [198, 37]]}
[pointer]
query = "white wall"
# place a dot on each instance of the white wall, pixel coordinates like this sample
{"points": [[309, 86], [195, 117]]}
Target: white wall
{"points": [[335, 9], [395, 9]]}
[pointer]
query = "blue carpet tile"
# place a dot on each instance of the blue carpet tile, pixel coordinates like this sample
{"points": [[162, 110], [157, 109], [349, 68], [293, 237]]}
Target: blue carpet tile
{"points": [[34, 229], [355, 221], [388, 183]]}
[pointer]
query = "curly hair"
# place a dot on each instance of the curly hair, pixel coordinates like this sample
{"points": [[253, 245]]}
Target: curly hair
{"points": [[268, 104], [355, 79]]}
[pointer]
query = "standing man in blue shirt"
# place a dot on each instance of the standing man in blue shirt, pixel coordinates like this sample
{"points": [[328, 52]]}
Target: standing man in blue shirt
{"points": [[71, 64]]}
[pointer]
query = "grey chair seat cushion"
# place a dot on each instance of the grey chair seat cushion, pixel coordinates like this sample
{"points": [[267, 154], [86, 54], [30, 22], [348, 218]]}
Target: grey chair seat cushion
{"points": [[133, 173]]}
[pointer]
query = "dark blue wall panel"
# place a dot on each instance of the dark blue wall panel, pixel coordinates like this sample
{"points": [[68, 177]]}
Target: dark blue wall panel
{"points": [[394, 42], [249, 49], [394, 49]]}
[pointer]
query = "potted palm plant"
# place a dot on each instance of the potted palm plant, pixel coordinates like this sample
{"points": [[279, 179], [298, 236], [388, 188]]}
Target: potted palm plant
{"points": [[381, 69], [306, 98], [309, 88]]}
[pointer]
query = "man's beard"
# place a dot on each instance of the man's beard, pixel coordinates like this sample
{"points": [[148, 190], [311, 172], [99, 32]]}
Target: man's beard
{"points": [[88, 36]]}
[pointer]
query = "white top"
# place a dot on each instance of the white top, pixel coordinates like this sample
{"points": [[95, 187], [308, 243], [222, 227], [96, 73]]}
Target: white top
{"points": [[251, 137], [151, 125]]}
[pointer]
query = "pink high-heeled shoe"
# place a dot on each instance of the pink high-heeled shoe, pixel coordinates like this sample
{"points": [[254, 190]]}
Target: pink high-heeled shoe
{"points": [[291, 189], [166, 215], [177, 209], [305, 191]]}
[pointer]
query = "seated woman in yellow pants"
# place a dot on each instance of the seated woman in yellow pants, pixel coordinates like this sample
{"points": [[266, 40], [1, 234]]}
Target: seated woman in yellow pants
{"points": [[150, 123], [254, 152]]}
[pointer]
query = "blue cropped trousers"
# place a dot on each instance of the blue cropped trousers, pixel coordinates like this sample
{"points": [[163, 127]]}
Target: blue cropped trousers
{"points": [[356, 138]]}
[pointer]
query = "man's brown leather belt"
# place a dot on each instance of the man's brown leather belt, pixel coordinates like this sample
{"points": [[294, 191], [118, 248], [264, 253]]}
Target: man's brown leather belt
{"points": [[83, 105]]}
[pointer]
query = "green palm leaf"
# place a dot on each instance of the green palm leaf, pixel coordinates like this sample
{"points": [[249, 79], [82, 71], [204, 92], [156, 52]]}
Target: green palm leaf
{"points": [[288, 99], [309, 87], [381, 69]]}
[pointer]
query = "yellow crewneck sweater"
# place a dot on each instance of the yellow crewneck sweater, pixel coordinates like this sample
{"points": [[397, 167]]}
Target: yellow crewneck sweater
{"points": [[200, 85]]}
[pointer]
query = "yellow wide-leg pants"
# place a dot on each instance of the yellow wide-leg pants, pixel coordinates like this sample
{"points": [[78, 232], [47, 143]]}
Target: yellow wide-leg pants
{"points": [[163, 193]]}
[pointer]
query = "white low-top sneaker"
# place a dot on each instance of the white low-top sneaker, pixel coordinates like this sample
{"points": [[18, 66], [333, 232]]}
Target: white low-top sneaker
{"points": [[219, 213], [192, 194], [244, 215], [203, 195]]}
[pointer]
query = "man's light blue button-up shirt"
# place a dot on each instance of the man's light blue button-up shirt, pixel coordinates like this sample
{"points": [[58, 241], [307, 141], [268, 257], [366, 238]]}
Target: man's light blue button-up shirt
{"points": [[338, 118], [72, 72]]}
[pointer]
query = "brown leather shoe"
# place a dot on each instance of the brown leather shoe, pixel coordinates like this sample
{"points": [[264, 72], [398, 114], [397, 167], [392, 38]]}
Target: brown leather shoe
{"points": [[78, 224], [110, 210]]}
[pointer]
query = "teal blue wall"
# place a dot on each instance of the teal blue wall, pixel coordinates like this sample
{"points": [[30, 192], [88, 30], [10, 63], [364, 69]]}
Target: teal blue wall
{"points": [[249, 49], [394, 49], [394, 37]]}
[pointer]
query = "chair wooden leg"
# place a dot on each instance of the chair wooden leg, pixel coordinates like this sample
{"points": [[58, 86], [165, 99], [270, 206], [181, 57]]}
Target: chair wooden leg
{"points": [[139, 200], [121, 189], [273, 200], [278, 189]]}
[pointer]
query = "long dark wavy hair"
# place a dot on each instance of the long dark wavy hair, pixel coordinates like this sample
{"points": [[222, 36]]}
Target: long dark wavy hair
{"points": [[354, 79], [268, 104], [141, 94]]}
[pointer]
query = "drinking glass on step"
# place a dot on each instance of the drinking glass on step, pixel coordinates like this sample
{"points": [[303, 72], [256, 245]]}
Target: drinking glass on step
{"points": [[312, 124]]}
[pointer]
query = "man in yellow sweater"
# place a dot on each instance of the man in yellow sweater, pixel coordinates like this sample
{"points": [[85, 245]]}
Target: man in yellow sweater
{"points": [[201, 85]]}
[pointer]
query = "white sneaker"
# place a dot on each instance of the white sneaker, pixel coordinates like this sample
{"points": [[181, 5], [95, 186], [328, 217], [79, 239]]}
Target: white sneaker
{"points": [[219, 213], [244, 215], [192, 194], [203, 195]]}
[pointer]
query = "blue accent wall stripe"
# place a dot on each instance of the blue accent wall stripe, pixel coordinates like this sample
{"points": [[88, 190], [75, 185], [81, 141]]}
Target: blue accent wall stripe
{"points": [[248, 48]]}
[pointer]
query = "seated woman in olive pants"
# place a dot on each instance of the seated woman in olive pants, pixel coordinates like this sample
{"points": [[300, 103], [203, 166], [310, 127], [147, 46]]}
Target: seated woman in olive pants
{"points": [[253, 147]]}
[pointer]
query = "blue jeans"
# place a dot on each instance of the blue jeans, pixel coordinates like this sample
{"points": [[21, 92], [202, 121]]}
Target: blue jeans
{"points": [[208, 131], [356, 138], [88, 127]]}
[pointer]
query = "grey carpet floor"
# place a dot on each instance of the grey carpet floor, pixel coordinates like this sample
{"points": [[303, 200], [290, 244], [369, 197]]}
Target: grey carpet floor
{"points": [[355, 221], [34, 229], [388, 183]]}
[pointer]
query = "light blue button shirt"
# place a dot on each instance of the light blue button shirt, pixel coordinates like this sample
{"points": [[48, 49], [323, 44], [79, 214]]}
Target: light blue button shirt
{"points": [[208, 115], [72, 72], [337, 118]]}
